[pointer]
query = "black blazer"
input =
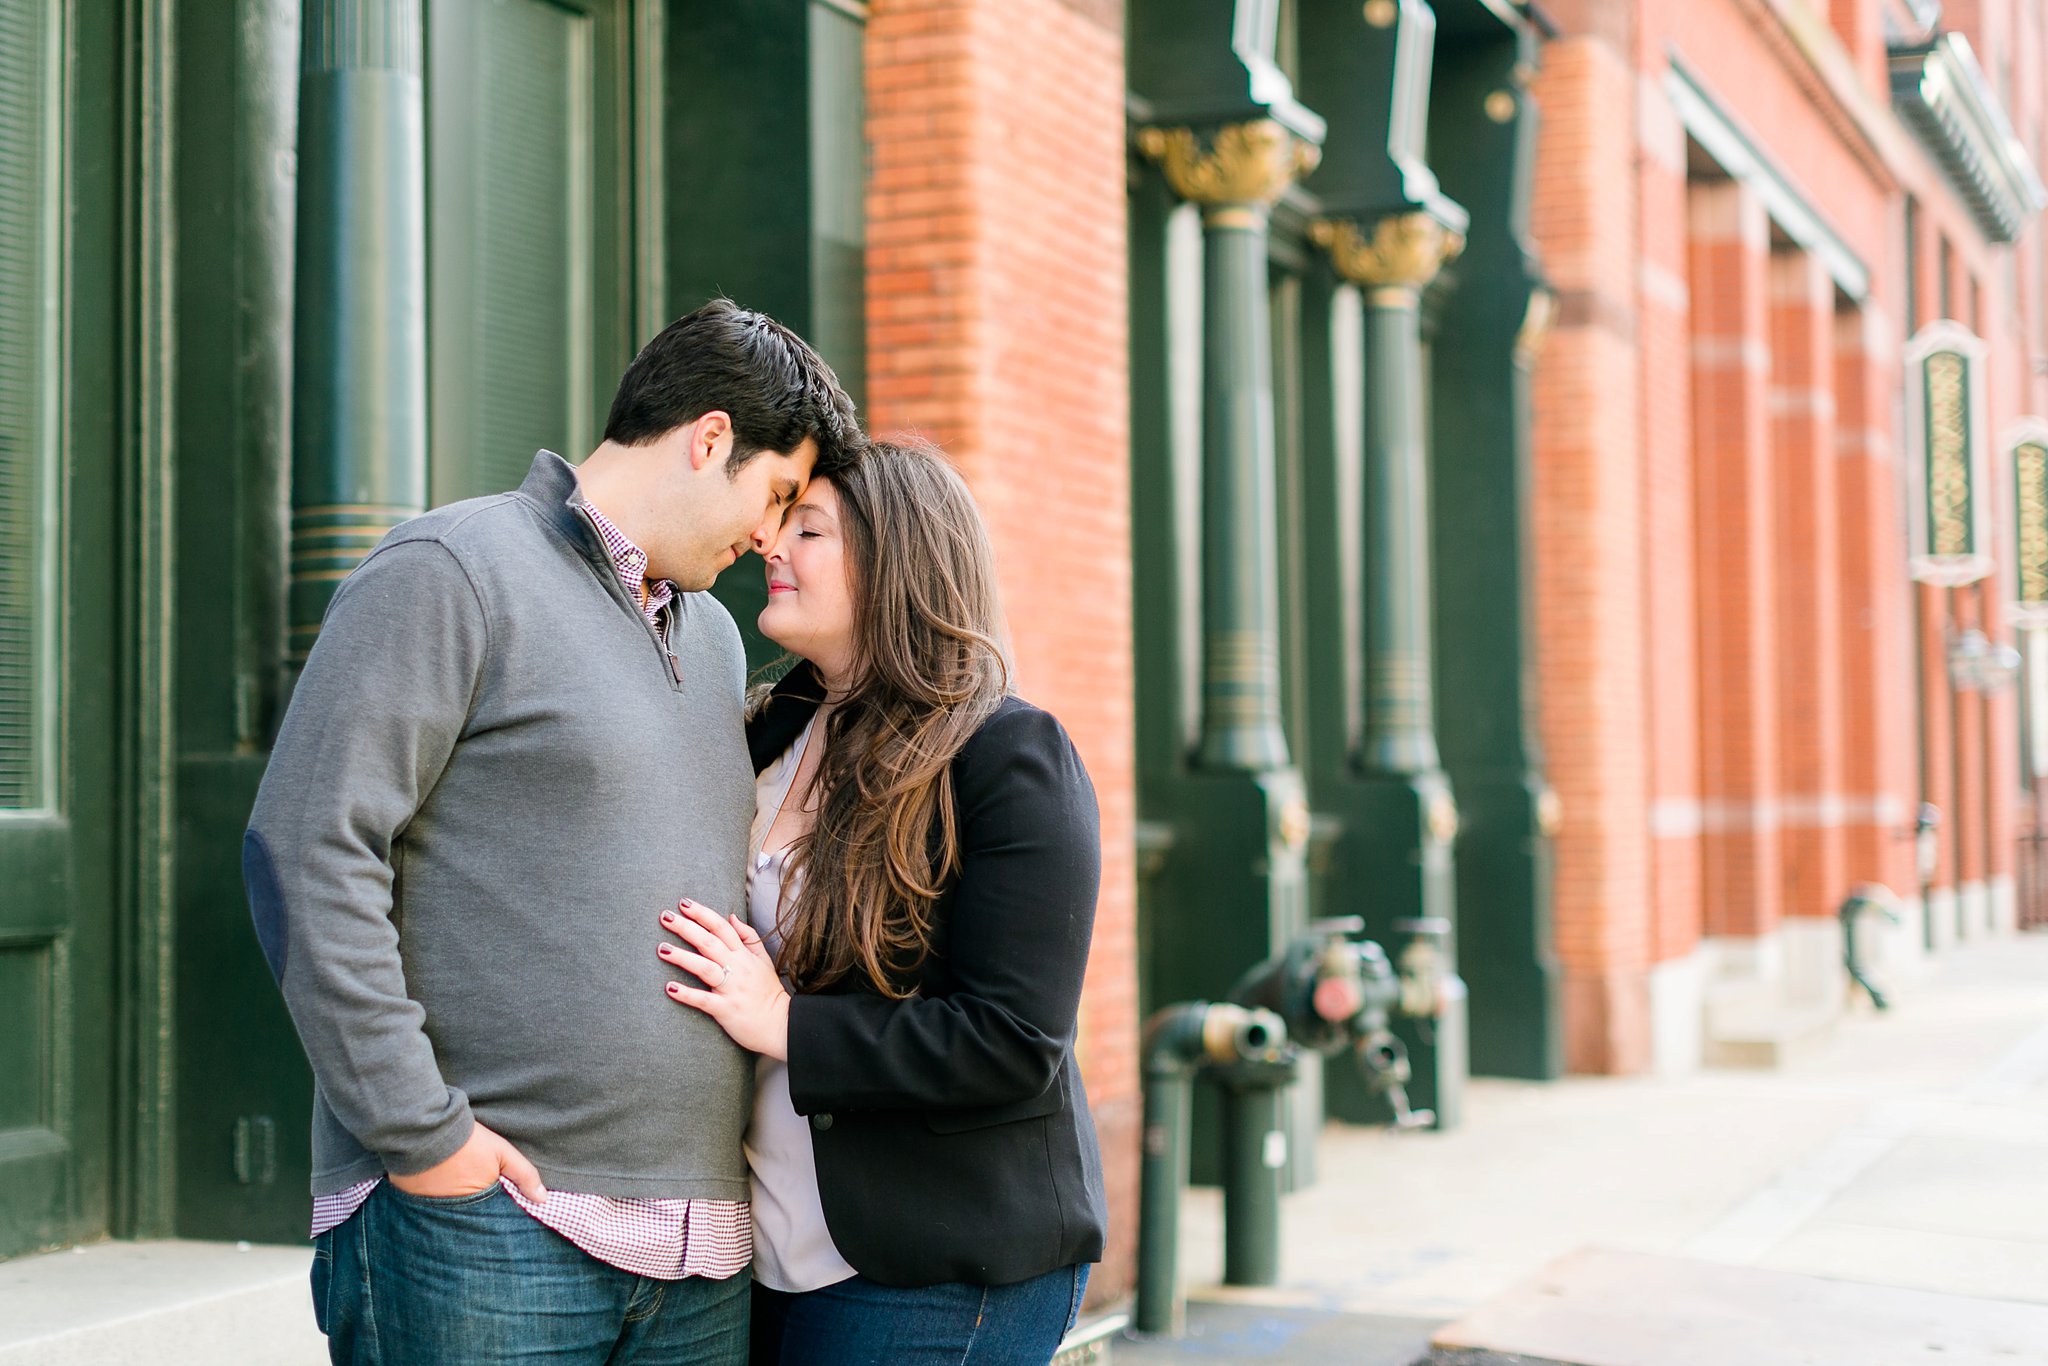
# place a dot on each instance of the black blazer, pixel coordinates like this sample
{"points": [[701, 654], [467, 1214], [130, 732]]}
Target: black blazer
{"points": [[952, 1137]]}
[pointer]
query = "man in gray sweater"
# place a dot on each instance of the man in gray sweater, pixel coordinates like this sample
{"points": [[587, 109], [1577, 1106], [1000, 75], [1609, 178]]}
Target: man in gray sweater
{"points": [[517, 741]]}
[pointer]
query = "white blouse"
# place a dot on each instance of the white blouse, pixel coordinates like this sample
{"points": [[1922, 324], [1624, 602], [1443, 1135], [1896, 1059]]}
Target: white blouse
{"points": [[793, 1250]]}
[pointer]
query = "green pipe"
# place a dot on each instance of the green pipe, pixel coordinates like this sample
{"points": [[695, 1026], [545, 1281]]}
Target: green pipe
{"points": [[1163, 1171], [1178, 1040], [1254, 1156]]}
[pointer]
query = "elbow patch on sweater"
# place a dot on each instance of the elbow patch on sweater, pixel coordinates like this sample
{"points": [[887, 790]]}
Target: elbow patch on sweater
{"points": [[266, 902]]}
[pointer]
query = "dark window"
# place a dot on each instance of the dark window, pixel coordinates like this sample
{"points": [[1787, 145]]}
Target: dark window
{"points": [[28, 300], [530, 275]]}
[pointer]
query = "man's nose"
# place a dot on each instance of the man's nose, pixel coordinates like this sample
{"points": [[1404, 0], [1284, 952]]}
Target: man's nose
{"points": [[768, 532]]}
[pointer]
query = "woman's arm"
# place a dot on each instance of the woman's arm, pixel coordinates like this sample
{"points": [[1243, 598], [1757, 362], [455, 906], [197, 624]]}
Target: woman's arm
{"points": [[1016, 946]]}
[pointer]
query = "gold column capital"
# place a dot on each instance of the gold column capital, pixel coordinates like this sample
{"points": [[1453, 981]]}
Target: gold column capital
{"points": [[1403, 255], [1245, 166]]}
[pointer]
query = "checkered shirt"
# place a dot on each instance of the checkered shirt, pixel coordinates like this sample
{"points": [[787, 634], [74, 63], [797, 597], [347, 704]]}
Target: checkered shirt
{"points": [[664, 1239], [631, 562]]}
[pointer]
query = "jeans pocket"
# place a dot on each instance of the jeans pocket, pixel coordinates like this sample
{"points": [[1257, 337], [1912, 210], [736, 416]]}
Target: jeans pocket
{"points": [[445, 1201], [323, 1277]]}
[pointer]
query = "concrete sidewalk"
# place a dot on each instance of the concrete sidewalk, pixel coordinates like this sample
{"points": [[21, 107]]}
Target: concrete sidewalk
{"points": [[1910, 1150]]}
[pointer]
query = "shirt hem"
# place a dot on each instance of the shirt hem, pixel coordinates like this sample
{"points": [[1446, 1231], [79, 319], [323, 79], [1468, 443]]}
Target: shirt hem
{"points": [[764, 1281], [736, 1190]]}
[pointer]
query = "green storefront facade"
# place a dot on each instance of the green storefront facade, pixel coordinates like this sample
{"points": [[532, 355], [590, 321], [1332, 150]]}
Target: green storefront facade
{"points": [[273, 277], [1334, 302]]}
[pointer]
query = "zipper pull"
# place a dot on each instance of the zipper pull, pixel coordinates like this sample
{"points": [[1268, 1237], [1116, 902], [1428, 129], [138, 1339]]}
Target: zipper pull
{"points": [[664, 636]]}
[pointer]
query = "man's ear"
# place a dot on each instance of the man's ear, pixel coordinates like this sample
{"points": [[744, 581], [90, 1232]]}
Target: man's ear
{"points": [[710, 438]]}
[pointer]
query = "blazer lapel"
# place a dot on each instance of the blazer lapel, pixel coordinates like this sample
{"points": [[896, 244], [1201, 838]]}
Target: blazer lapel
{"points": [[783, 716]]}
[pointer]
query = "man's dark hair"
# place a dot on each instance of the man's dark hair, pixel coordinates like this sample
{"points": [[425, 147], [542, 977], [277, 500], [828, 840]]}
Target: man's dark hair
{"points": [[773, 385]]}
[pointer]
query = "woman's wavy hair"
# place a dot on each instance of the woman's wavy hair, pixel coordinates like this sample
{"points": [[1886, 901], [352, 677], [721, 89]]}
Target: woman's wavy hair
{"points": [[929, 667]]}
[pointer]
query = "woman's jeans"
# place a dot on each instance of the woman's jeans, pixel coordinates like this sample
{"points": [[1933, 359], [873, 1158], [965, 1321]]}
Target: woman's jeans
{"points": [[413, 1281], [860, 1323]]}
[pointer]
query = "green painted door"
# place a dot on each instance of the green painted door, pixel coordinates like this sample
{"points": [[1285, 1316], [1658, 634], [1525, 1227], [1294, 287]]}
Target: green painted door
{"points": [[57, 685], [530, 268]]}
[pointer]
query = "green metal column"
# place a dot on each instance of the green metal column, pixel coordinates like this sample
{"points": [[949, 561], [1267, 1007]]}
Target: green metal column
{"points": [[1235, 874], [1485, 331], [1248, 166], [1401, 260], [359, 411], [1388, 229], [1404, 818]]}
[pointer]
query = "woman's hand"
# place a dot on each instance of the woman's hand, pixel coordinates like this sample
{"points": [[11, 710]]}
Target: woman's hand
{"points": [[741, 990]]}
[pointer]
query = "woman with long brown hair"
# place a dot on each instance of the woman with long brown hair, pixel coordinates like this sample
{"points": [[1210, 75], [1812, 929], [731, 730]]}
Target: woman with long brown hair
{"points": [[927, 1186]]}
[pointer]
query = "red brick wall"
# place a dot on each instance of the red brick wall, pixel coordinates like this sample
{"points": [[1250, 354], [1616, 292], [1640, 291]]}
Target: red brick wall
{"points": [[1670, 584], [997, 327], [1588, 561], [1813, 804], [1740, 720], [1880, 760]]}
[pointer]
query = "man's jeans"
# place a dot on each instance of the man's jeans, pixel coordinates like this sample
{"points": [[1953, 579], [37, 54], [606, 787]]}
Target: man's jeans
{"points": [[413, 1281], [861, 1323]]}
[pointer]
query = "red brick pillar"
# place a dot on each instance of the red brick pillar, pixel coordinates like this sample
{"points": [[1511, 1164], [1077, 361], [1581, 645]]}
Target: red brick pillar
{"points": [[1670, 490], [1811, 801], [1879, 762], [997, 326], [1739, 750], [1588, 560]]}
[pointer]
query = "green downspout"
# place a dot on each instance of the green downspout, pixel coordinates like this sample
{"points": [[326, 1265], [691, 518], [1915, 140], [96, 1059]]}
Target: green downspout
{"points": [[359, 400]]}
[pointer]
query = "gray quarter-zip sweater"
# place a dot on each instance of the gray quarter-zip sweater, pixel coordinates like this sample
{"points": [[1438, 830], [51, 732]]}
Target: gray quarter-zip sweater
{"points": [[491, 780]]}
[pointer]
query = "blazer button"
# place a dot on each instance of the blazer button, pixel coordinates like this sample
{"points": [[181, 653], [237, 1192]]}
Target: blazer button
{"points": [[821, 1122]]}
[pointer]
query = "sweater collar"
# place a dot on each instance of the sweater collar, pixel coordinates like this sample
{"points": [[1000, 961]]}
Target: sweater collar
{"points": [[551, 486]]}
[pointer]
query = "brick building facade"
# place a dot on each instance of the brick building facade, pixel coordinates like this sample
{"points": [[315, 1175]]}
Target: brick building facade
{"points": [[1747, 218], [1729, 710]]}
